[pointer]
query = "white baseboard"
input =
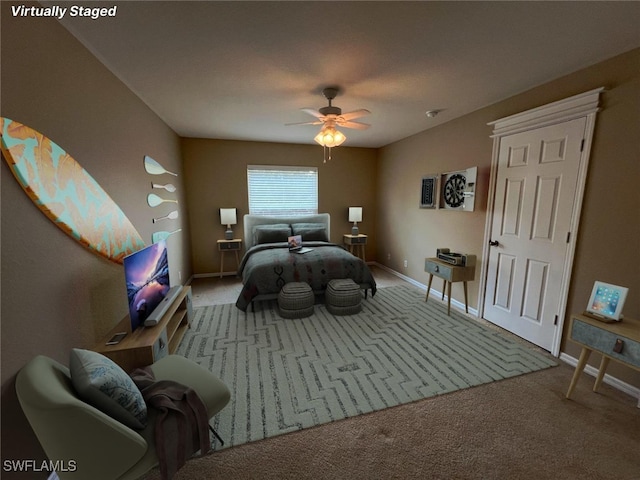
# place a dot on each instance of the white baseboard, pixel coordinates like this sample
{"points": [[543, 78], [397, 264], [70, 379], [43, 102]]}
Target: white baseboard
{"points": [[608, 379], [432, 293], [210, 275]]}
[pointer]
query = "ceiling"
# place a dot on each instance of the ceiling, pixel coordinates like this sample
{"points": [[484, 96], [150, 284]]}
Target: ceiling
{"points": [[242, 70]]}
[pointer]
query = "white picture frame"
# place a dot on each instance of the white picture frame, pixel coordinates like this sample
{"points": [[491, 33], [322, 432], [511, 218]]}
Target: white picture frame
{"points": [[607, 300]]}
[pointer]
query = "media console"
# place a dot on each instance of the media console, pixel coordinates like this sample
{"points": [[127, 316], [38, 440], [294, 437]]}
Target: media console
{"points": [[146, 345]]}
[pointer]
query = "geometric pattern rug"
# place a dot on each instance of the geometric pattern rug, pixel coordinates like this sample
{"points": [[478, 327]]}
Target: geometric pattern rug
{"points": [[285, 375]]}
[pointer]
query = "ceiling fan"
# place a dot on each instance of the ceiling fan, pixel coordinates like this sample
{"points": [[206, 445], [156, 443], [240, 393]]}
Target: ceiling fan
{"points": [[332, 116]]}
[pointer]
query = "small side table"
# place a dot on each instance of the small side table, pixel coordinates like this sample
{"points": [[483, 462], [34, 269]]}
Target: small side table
{"points": [[356, 244], [225, 246], [449, 273], [619, 341]]}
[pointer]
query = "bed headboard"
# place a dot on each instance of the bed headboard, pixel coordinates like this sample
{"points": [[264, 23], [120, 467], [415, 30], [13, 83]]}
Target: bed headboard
{"points": [[251, 221]]}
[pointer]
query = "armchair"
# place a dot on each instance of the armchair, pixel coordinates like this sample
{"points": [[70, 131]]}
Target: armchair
{"points": [[100, 447]]}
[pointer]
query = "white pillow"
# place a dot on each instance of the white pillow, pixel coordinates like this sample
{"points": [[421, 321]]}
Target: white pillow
{"points": [[100, 382]]}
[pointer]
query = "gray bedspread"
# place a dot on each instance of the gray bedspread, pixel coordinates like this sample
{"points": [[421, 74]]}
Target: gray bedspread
{"points": [[267, 267]]}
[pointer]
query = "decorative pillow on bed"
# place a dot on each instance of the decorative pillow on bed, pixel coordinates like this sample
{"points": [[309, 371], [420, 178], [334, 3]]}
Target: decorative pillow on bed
{"points": [[278, 232], [311, 232]]}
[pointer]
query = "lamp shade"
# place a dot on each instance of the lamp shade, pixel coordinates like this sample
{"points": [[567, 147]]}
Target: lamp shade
{"points": [[355, 214], [228, 216], [330, 137]]}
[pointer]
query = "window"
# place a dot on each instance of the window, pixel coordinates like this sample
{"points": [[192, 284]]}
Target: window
{"points": [[279, 191]]}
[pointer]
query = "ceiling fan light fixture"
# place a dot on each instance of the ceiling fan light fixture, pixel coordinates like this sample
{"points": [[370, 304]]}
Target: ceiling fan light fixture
{"points": [[330, 137], [330, 117]]}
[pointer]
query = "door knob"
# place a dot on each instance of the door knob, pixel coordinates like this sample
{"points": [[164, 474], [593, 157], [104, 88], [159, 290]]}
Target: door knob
{"points": [[494, 243]]}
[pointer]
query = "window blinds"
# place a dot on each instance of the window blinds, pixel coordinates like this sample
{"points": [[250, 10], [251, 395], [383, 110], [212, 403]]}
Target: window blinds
{"points": [[278, 191]]}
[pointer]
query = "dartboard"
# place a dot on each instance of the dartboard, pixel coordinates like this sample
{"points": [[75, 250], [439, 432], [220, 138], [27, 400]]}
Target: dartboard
{"points": [[454, 190]]}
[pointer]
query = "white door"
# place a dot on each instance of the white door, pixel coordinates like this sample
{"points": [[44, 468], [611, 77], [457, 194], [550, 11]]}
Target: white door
{"points": [[535, 191]]}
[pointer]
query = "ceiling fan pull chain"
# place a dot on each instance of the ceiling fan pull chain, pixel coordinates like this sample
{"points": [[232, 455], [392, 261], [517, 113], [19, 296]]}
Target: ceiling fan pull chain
{"points": [[324, 153]]}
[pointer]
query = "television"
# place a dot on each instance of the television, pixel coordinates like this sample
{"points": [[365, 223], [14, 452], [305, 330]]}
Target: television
{"points": [[147, 276]]}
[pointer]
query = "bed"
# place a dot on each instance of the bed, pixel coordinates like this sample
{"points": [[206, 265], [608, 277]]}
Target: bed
{"points": [[268, 264]]}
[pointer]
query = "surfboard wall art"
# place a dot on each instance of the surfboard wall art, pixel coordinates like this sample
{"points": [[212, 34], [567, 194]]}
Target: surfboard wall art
{"points": [[66, 193]]}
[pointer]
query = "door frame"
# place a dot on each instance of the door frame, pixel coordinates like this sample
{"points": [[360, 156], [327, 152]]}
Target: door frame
{"points": [[582, 105]]}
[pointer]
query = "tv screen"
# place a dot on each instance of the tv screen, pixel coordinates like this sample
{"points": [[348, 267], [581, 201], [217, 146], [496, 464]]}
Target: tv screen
{"points": [[147, 275]]}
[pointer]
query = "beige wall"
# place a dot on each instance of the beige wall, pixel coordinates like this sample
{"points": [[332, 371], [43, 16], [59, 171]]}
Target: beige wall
{"points": [[57, 295], [610, 224], [407, 232], [216, 172]]}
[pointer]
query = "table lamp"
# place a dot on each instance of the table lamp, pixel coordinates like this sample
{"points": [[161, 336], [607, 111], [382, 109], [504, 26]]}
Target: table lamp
{"points": [[355, 216], [228, 218]]}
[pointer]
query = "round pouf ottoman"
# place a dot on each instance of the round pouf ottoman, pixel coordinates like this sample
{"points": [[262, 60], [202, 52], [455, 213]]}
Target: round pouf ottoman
{"points": [[343, 297], [296, 300]]}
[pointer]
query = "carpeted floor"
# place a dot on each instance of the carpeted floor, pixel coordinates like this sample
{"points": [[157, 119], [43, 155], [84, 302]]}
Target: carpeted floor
{"points": [[522, 428], [286, 375]]}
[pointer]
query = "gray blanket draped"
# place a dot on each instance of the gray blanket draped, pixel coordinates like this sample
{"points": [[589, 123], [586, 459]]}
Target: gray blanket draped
{"points": [[182, 423], [265, 268]]}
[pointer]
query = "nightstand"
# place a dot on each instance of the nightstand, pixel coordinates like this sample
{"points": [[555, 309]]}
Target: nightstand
{"points": [[225, 246], [147, 345], [356, 243], [619, 341], [449, 273]]}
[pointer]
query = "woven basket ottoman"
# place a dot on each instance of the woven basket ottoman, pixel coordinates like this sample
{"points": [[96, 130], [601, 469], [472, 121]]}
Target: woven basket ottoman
{"points": [[296, 300], [343, 297]]}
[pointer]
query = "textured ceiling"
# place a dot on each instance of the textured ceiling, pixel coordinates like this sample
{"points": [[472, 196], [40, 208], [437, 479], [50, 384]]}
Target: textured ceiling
{"points": [[242, 70]]}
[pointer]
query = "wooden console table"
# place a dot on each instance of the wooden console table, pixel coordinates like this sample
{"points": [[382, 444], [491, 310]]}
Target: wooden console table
{"points": [[449, 273], [146, 345], [619, 341]]}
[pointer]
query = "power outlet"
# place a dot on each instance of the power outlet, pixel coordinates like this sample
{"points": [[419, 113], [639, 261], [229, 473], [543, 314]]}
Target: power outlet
{"points": [[388, 256], [406, 264]]}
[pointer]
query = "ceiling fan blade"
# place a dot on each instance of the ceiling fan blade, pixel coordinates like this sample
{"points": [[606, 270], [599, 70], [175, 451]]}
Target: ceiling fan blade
{"points": [[313, 112], [355, 114], [318, 122], [356, 125]]}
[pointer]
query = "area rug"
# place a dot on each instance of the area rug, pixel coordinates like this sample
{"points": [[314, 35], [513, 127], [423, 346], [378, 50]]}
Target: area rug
{"points": [[286, 375]]}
